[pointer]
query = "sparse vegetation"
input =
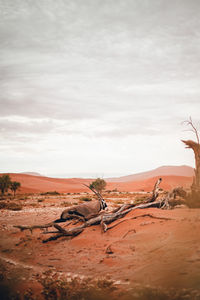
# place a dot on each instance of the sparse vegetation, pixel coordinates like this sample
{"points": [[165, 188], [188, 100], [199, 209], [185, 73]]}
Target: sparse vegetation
{"points": [[99, 185], [14, 186], [86, 198], [119, 202], [40, 200], [66, 204], [5, 183], [57, 288], [10, 205], [52, 193]]}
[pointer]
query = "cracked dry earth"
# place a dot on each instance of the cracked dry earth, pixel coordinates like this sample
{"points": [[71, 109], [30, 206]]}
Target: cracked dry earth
{"points": [[145, 250]]}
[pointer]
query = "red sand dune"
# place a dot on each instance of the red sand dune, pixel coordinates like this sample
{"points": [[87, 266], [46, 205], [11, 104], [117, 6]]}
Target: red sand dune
{"points": [[168, 183], [38, 184], [186, 171]]}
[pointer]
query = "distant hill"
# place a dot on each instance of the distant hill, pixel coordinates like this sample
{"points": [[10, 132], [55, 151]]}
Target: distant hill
{"points": [[185, 171], [168, 182], [31, 173]]}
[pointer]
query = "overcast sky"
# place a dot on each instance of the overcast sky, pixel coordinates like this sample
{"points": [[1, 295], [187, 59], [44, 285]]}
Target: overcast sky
{"points": [[97, 87]]}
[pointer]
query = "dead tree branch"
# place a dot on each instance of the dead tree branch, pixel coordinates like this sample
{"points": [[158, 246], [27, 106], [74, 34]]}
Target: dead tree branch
{"points": [[103, 219], [155, 191], [194, 129], [107, 218], [140, 216]]}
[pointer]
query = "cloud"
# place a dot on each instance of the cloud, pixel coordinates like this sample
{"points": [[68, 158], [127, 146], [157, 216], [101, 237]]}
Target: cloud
{"points": [[81, 71]]}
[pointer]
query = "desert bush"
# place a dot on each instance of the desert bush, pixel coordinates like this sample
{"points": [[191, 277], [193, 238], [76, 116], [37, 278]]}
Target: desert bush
{"points": [[108, 191], [65, 204], [40, 200], [14, 186], [10, 206], [119, 202], [52, 193], [34, 204], [5, 183], [99, 185], [140, 199], [57, 288], [86, 198], [23, 198]]}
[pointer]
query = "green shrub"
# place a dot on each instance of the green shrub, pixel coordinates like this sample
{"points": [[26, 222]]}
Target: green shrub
{"points": [[99, 185]]}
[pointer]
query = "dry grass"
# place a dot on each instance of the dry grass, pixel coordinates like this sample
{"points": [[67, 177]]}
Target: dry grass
{"points": [[10, 205]]}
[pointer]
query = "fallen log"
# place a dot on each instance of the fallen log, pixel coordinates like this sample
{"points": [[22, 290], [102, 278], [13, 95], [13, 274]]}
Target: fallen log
{"points": [[105, 218]]}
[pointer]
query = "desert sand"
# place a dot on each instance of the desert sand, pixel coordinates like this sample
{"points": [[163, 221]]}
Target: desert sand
{"points": [[39, 184], [160, 251]]}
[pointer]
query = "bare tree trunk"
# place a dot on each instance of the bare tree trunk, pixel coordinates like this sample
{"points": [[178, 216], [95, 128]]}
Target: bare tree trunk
{"points": [[155, 191], [195, 188]]}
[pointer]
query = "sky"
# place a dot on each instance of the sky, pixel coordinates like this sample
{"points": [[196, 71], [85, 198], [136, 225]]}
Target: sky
{"points": [[97, 87]]}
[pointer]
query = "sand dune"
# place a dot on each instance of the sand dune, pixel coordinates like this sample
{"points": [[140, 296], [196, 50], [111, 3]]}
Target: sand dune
{"points": [[186, 171], [38, 184], [168, 182]]}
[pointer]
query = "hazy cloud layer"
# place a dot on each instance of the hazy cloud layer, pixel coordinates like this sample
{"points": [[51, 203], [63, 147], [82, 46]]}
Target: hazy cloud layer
{"points": [[78, 70]]}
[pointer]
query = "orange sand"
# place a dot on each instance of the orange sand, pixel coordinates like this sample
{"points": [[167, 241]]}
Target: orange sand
{"points": [[38, 184]]}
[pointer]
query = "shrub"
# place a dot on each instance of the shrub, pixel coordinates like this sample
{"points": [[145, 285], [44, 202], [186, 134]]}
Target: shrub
{"points": [[99, 185], [56, 287], [40, 200], [5, 183], [65, 204], [86, 199], [10, 206], [52, 193]]}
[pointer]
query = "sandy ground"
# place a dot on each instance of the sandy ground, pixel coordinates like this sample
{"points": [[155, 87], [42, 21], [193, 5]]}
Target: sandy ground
{"points": [[162, 250]]}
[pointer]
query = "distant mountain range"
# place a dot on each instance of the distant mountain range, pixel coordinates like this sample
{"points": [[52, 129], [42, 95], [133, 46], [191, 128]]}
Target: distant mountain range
{"points": [[164, 170]]}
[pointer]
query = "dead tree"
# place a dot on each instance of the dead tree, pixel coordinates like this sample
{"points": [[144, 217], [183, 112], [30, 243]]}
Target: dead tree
{"points": [[91, 215], [104, 219], [195, 146]]}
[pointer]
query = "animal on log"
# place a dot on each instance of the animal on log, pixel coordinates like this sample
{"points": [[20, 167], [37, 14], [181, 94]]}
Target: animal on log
{"points": [[84, 211], [92, 216]]}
